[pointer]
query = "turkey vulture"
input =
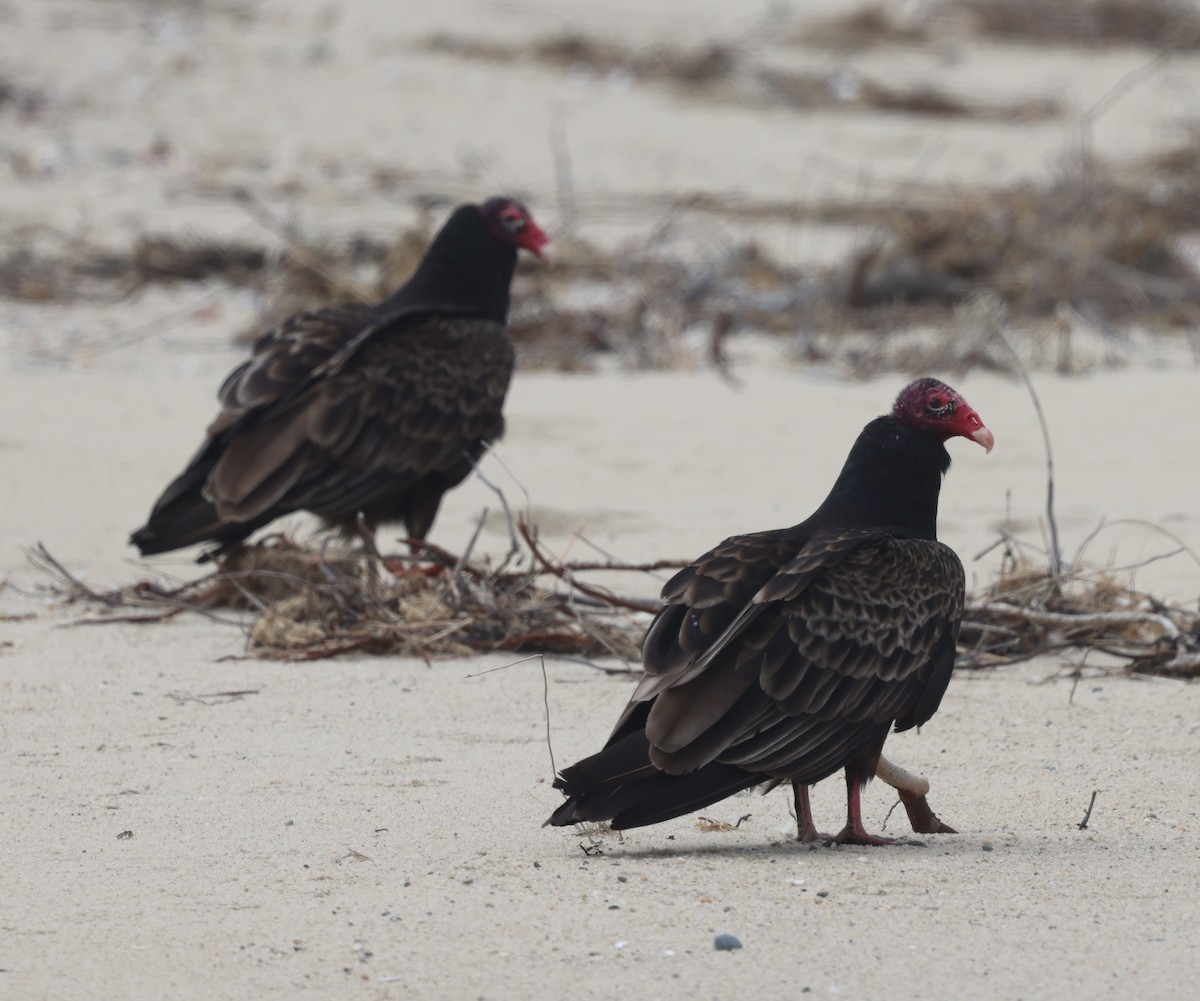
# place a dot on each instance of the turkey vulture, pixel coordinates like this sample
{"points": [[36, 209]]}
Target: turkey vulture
{"points": [[362, 414], [786, 655]]}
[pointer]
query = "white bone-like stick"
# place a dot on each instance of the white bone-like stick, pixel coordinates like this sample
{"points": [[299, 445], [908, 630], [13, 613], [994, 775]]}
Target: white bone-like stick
{"points": [[899, 778]]}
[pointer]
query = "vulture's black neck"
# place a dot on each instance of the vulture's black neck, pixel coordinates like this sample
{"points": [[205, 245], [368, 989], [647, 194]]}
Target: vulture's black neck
{"points": [[466, 270], [890, 482]]}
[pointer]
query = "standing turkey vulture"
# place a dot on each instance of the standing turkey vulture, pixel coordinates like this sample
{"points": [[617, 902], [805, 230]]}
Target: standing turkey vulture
{"points": [[787, 655], [362, 414]]}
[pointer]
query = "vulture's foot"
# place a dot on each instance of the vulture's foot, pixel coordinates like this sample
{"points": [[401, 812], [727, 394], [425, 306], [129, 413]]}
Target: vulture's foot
{"points": [[922, 818], [810, 836], [850, 835]]}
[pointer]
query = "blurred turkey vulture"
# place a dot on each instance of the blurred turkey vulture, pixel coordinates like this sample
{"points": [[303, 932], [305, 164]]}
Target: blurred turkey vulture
{"points": [[787, 655], [362, 414]]}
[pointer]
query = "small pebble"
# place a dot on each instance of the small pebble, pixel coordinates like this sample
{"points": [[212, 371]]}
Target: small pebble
{"points": [[726, 943], [822, 893], [987, 846]]}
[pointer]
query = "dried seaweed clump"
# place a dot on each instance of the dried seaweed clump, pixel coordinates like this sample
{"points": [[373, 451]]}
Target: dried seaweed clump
{"points": [[1160, 24], [1102, 244], [40, 265], [720, 71], [869, 26]]}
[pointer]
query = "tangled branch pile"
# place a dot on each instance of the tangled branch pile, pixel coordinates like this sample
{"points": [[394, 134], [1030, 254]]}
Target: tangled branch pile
{"points": [[734, 72], [309, 606], [1032, 611]]}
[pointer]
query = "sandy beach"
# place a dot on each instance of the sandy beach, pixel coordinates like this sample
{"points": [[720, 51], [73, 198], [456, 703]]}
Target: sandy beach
{"points": [[181, 820]]}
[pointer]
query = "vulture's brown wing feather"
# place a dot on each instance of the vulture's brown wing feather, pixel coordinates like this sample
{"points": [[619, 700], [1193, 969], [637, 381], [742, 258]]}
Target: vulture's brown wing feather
{"points": [[857, 631], [787, 662], [712, 604], [280, 368], [702, 602], [288, 359], [306, 349], [420, 398]]}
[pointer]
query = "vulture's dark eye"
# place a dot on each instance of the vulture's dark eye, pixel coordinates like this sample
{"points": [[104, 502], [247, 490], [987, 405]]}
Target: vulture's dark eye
{"points": [[513, 219], [939, 406]]}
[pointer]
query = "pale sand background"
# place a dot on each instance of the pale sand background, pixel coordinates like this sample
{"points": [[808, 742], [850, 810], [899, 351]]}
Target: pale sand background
{"points": [[238, 881]]}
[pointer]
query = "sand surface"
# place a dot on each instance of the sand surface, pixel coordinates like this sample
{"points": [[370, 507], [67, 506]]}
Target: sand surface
{"points": [[370, 827]]}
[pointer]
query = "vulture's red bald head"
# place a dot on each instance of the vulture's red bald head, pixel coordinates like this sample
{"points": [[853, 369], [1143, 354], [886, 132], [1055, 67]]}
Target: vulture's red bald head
{"points": [[933, 408]]}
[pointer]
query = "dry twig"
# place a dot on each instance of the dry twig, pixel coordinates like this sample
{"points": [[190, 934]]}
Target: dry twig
{"points": [[1088, 814]]}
